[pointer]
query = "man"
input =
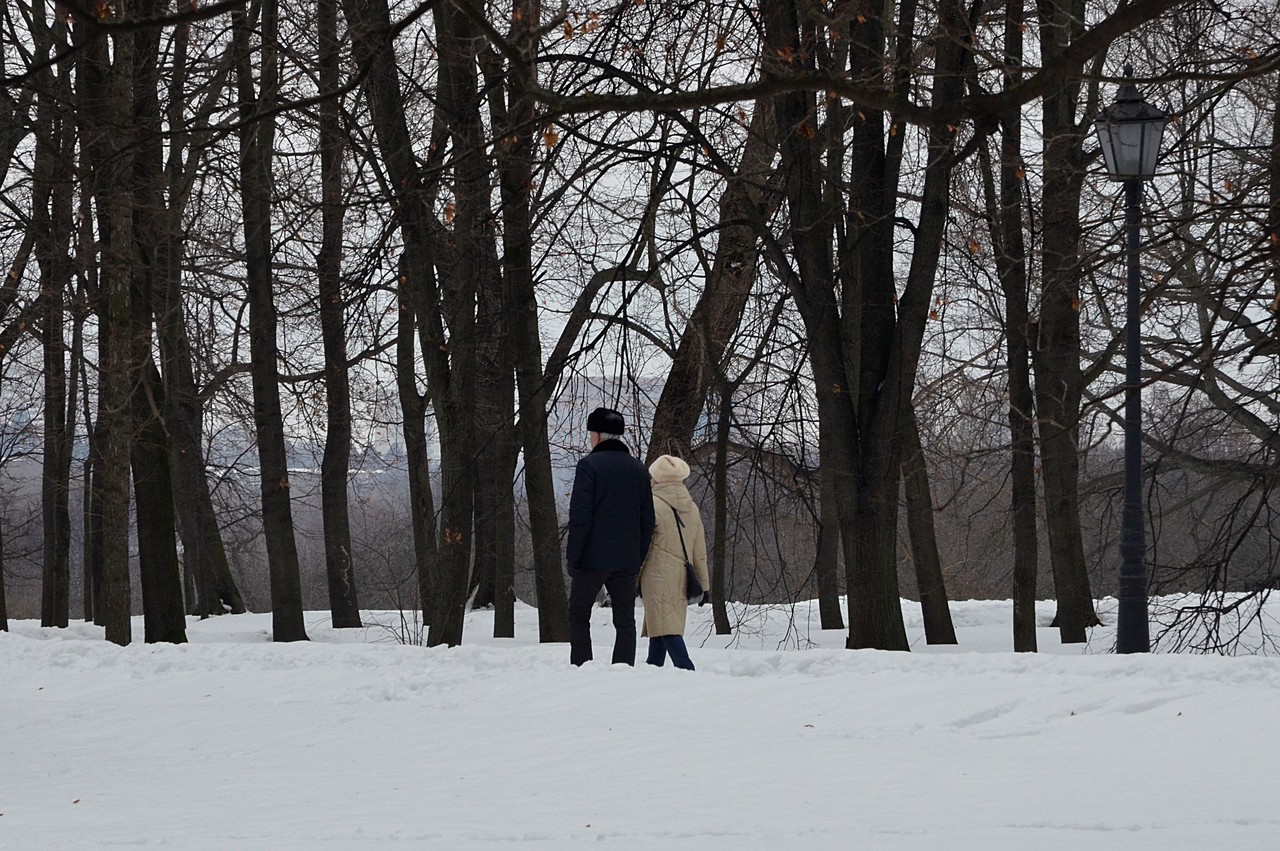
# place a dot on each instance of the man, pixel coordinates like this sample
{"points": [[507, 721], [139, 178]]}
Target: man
{"points": [[610, 525]]}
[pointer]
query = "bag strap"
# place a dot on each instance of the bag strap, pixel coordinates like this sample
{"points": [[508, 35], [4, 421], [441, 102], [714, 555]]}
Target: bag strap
{"points": [[680, 532], [679, 528]]}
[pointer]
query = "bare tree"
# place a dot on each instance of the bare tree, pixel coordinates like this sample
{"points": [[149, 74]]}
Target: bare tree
{"points": [[1056, 355], [1005, 214], [103, 88], [343, 606], [212, 590], [258, 95], [161, 584], [53, 227]]}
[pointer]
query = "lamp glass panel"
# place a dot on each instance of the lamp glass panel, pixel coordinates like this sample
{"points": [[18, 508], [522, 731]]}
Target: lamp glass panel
{"points": [[1103, 127], [1152, 132], [1126, 144]]}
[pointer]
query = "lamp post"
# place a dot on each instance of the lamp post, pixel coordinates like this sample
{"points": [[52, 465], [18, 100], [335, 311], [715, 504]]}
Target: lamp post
{"points": [[1129, 132]]}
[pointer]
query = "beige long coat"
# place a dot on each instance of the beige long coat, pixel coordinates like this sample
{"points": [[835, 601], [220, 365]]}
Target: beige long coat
{"points": [[662, 577]]}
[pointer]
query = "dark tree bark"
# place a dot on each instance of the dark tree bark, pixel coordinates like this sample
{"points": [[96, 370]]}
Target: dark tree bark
{"points": [[4, 607], [1005, 215], [15, 327], [1056, 359], [496, 447], [413, 197], [103, 89], [413, 410], [697, 365], [934, 607], [15, 107], [516, 167], [875, 615], [335, 465], [493, 569], [53, 227], [889, 359], [447, 300], [59, 432], [92, 519], [879, 392], [1272, 236], [788, 48], [211, 588], [203, 552], [162, 603], [827, 559], [719, 543], [865, 351], [257, 135], [534, 394], [452, 361]]}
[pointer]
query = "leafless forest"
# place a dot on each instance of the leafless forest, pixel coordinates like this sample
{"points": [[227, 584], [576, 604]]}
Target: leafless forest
{"points": [[307, 301]]}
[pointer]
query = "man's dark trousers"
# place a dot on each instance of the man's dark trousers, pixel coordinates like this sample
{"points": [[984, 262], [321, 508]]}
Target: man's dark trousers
{"points": [[585, 586]]}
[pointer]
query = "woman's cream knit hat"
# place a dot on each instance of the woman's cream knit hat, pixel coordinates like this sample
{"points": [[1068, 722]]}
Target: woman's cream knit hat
{"points": [[668, 468]]}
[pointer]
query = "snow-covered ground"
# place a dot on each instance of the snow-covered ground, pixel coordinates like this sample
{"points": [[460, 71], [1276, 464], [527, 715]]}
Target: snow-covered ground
{"points": [[780, 740]]}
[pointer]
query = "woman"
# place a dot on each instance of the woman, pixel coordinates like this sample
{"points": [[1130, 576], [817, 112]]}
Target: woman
{"points": [[662, 579]]}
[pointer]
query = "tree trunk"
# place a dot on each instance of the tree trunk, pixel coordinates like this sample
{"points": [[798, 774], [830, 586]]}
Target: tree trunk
{"points": [[1272, 238], [790, 43], [162, 604], [888, 352], [1005, 216], [493, 570], [938, 628], [334, 467], [489, 466], [413, 408], [210, 587], [53, 226], [447, 301], [92, 542], [720, 543], [495, 456], [697, 365], [827, 561], [203, 552], [16, 326], [516, 167], [865, 352], [103, 88], [880, 362], [4, 607], [471, 253], [1059, 381], [539, 483], [256, 149]]}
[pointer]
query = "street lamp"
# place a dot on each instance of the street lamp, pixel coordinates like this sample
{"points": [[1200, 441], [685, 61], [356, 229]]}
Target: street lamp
{"points": [[1129, 132]]}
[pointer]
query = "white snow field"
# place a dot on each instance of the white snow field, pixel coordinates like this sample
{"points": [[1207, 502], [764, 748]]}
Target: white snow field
{"points": [[780, 740]]}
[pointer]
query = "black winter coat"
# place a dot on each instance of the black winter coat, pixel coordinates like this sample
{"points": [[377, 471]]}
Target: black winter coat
{"points": [[610, 511]]}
